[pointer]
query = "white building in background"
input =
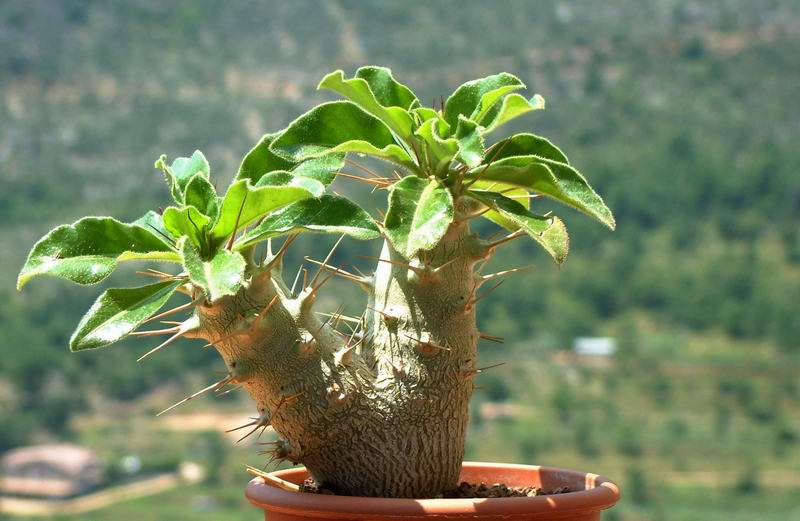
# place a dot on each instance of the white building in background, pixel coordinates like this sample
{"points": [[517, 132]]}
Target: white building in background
{"points": [[54, 471], [601, 346]]}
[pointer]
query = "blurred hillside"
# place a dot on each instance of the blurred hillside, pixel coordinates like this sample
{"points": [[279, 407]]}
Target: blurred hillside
{"points": [[682, 113]]}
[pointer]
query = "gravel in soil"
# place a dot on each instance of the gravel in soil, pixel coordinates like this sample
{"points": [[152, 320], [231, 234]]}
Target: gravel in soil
{"points": [[464, 490], [467, 490]]}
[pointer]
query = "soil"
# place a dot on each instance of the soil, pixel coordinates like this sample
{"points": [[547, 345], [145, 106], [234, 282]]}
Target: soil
{"points": [[464, 490]]}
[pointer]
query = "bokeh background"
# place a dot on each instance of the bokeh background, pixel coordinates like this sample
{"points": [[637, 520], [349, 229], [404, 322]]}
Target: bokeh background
{"points": [[684, 114]]}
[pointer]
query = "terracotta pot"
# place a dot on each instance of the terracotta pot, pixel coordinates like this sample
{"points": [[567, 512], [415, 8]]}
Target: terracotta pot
{"points": [[592, 494]]}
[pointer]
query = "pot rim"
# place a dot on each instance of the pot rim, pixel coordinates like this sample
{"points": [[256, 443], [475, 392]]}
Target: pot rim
{"points": [[600, 493]]}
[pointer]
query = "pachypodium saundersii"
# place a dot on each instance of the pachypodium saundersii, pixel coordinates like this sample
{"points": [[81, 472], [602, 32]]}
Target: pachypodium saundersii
{"points": [[381, 410]]}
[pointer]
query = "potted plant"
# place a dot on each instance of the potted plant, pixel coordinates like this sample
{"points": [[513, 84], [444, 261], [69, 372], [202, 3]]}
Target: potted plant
{"points": [[382, 411]]}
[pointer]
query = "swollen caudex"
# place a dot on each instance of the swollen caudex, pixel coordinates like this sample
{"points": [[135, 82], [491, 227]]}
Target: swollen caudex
{"points": [[409, 362]]}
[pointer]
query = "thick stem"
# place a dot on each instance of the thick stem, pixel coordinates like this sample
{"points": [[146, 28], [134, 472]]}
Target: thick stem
{"points": [[424, 353], [386, 417]]}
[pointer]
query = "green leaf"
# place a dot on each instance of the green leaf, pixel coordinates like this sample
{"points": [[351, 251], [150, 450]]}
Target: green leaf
{"points": [[420, 210], [475, 98], [261, 160], [513, 105], [526, 145], [549, 232], [220, 276], [244, 203], [388, 91], [512, 192], [439, 151], [88, 250], [470, 142], [187, 222], [327, 214], [201, 194], [339, 126], [118, 312], [155, 223], [314, 187], [551, 178], [181, 171], [392, 106], [322, 169], [426, 113]]}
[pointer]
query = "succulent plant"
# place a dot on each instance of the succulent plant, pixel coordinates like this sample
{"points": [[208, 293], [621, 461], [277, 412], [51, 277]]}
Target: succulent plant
{"points": [[380, 411]]}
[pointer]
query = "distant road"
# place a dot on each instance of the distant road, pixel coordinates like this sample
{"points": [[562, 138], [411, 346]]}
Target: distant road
{"points": [[89, 502]]}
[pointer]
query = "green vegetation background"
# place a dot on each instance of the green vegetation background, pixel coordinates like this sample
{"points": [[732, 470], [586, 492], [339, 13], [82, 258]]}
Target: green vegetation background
{"points": [[683, 114]]}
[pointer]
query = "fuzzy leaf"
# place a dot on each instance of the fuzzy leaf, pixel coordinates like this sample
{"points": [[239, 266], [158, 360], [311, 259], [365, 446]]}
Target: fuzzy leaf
{"points": [[181, 171], [201, 194], [260, 160], [527, 145], [118, 312], [387, 108], [439, 151], [327, 214], [88, 250], [475, 98], [289, 179], [426, 113], [388, 91], [255, 202], [420, 211], [187, 222], [339, 126], [470, 142], [551, 178], [155, 223], [512, 192], [220, 276], [322, 169], [549, 232], [512, 106]]}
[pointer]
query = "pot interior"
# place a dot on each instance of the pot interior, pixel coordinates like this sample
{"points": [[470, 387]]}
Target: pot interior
{"points": [[546, 478]]}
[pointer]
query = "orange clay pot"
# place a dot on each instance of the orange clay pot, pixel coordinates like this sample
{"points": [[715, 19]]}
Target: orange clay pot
{"points": [[592, 494]]}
